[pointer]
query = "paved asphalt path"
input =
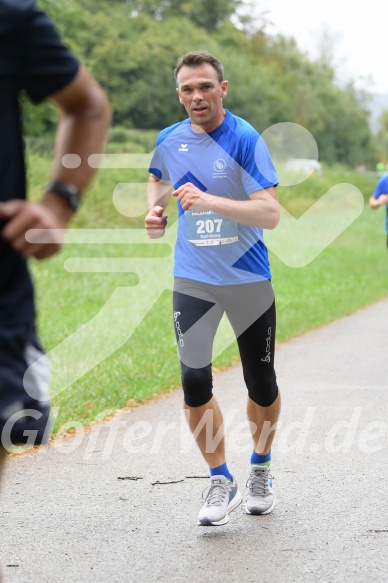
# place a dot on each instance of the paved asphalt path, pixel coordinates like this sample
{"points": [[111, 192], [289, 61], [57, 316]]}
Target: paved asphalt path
{"points": [[120, 502]]}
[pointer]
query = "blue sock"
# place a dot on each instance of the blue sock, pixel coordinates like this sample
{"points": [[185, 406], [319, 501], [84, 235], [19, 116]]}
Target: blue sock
{"points": [[262, 460], [221, 471]]}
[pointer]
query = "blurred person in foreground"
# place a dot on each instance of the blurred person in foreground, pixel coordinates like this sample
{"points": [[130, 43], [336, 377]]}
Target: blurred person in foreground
{"points": [[33, 59]]}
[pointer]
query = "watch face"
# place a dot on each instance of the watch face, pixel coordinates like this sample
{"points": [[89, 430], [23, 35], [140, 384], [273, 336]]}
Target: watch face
{"points": [[73, 189]]}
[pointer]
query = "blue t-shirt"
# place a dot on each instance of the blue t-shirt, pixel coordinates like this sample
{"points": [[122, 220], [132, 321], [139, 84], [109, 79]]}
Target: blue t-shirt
{"points": [[382, 188], [231, 161]]}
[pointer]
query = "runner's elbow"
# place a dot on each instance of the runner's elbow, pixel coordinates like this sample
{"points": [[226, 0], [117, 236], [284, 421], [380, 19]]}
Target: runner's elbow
{"points": [[273, 219]]}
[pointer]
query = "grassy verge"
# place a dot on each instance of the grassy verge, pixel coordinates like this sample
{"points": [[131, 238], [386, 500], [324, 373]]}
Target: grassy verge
{"points": [[349, 274]]}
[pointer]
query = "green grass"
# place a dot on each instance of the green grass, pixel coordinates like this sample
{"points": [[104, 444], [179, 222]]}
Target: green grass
{"points": [[349, 274]]}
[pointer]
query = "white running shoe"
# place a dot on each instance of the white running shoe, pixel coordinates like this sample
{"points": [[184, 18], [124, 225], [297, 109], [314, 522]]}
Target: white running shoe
{"points": [[222, 496], [260, 497]]}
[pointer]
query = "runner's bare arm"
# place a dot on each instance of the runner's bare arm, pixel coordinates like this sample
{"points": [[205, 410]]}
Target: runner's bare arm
{"points": [[375, 203], [85, 117], [262, 210], [158, 195]]}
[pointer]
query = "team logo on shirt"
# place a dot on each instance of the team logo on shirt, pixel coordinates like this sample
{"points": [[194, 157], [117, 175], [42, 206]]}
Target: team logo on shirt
{"points": [[219, 168], [183, 148], [219, 165]]}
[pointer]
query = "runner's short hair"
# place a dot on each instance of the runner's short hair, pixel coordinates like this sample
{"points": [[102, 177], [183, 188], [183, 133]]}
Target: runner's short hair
{"points": [[197, 58]]}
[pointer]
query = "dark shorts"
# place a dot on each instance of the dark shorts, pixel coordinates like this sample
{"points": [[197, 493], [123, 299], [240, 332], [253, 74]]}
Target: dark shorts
{"points": [[250, 308], [24, 400]]}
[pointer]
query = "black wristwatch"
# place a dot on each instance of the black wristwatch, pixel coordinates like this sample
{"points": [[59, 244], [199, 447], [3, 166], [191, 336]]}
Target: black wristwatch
{"points": [[68, 191]]}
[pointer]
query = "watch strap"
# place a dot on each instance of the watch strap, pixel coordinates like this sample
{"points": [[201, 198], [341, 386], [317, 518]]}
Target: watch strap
{"points": [[69, 192]]}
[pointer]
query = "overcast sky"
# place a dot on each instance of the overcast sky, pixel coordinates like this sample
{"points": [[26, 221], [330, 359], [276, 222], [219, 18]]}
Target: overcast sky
{"points": [[359, 30]]}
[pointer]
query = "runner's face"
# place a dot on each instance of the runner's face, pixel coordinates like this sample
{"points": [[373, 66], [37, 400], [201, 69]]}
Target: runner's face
{"points": [[201, 93]]}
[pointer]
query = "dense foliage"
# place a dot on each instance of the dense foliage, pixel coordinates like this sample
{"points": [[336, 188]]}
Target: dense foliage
{"points": [[132, 46]]}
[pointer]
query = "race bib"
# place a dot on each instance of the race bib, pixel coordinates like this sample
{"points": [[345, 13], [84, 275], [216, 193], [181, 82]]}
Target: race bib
{"points": [[204, 228]]}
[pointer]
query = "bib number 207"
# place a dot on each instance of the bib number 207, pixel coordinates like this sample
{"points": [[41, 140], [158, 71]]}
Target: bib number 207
{"points": [[209, 226]]}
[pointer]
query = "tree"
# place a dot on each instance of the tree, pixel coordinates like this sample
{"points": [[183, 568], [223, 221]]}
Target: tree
{"points": [[382, 136], [131, 47], [207, 14]]}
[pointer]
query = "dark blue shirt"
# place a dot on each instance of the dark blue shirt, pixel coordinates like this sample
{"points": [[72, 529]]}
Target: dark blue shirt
{"points": [[32, 59]]}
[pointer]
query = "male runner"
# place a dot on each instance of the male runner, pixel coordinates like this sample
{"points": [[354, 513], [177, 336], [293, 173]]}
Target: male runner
{"points": [[224, 182]]}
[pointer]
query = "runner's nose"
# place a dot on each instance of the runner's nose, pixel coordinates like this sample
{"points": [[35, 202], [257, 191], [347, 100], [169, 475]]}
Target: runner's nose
{"points": [[197, 95]]}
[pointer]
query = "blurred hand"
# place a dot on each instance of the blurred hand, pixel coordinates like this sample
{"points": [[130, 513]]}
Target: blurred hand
{"points": [[20, 216]]}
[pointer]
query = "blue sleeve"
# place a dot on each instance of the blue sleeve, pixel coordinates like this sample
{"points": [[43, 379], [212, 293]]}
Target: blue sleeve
{"points": [[157, 164], [381, 187], [258, 170]]}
